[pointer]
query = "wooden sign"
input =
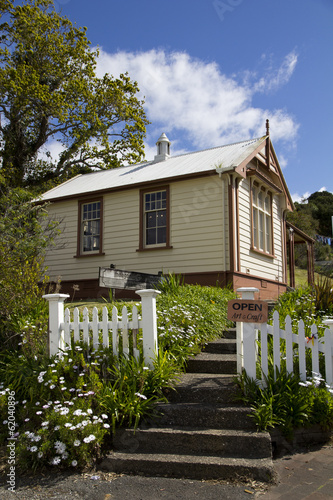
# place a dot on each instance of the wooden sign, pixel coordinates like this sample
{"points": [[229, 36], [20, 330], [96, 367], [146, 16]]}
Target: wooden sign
{"points": [[248, 311], [129, 280]]}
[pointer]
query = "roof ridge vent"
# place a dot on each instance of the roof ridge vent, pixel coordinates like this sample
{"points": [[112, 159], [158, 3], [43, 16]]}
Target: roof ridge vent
{"points": [[163, 148]]}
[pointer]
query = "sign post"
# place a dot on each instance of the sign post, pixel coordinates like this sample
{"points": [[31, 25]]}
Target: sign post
{"points": [[247, 313], [129, 280]]}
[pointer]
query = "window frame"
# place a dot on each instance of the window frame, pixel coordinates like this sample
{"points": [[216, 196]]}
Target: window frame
{"points": [[79, 251], [142, 227], [262, 227]]}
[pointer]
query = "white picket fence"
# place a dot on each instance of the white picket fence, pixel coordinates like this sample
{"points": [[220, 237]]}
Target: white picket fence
{"points": [[104, 331], [294, 350]]}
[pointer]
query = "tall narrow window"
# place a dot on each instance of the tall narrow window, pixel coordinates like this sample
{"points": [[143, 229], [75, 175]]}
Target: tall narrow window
{"points": [[90, 227], [154, 218], [261, 219]]}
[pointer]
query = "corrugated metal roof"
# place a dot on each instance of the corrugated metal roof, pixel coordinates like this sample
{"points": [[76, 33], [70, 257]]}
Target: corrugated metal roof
{"points": [[177, 166]]}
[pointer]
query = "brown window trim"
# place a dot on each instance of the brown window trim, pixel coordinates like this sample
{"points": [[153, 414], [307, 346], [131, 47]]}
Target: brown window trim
{"points": [[261, 252], [264, 189], [100, 252], [142, 247]]}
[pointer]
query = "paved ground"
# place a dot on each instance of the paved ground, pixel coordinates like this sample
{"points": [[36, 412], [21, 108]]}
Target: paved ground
{"points": [[302, 476]]}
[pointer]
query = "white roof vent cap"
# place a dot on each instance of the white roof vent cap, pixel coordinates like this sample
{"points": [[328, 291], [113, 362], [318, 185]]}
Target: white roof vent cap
{"points": [[163, 148]]}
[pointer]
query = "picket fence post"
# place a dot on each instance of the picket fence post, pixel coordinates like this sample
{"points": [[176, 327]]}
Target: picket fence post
{"points": [[149, 324], [246, 338], [329, 356], [56, 319]]}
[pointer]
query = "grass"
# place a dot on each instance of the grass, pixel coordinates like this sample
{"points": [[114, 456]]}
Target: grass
{"points": [[301, 276]]}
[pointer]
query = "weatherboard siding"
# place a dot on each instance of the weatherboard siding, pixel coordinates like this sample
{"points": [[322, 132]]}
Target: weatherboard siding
{"points": [[251, 262], [196, 234]]}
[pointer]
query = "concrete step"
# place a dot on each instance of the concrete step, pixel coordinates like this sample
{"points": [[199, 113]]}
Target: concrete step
{"points": [[204, 388], [229, 334], [194, 441], [221, 346], [206, 416], [212, 363], [189, 466]]}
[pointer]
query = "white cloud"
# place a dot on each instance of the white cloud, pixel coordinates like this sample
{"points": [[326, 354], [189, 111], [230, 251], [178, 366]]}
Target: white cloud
{"points": [[274, 78], [300, 198], [192, 98]]}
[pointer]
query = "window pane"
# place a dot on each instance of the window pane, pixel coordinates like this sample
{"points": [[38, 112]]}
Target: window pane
{"points": [[267, 205], [268, 234], [255, 228], [155, 218], [91, 226], [151, 219], [150, 237], [161, 218], [161, 235], [261, 231], [260, 199]]}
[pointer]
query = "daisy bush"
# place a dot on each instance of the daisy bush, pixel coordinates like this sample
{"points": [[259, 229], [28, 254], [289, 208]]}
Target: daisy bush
{"points": [[301, 304], [69, 405], [189, 316]]}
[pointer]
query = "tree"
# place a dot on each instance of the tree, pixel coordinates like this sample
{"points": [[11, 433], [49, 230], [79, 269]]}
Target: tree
{"points": [[321, 203], [49, 91], [25, 234]]}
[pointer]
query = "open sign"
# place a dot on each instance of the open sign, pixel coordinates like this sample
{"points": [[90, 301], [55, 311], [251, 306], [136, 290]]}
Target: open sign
{"points": [[248, 311]]}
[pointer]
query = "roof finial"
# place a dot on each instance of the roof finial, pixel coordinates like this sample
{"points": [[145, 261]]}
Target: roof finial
{"points": [[267, 126]]}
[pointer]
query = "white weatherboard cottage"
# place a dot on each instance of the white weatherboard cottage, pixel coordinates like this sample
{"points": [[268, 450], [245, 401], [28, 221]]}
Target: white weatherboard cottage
{"points": [[215, 216]]}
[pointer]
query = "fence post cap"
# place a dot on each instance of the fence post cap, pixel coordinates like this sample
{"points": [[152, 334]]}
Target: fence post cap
{"points": [[56, 296], [149, 292]]}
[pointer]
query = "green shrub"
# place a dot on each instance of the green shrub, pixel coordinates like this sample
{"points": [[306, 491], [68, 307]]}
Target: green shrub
{"points": [[323, 295], [68, 406], [190, 316], [284, 401]]}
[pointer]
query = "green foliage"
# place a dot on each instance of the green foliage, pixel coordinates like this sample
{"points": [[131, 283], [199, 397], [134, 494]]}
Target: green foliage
{"points": [[171, 283], [321, 203], [323, 294], [300, 304], [25, 233], [68, 406], [285, 402], [189, 316], [49, 91]]}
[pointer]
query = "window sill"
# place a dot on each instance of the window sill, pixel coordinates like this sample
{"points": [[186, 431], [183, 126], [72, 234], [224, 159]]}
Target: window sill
{"points": [[147, 249], [260, 252], [83, 255]]}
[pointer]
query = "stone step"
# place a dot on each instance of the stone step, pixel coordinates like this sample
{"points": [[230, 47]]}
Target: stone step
{"points": [[194, 441], [189, 466], [212, 363], [230, 334], [204, 388], [221, 346], [206, 416]]}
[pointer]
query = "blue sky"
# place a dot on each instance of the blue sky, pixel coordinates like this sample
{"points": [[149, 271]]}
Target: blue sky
{"points": [[211, 72]]}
